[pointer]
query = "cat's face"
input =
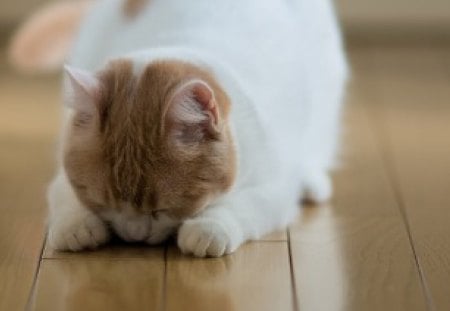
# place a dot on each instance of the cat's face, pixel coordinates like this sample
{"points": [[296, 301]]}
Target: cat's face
{"points": [[157, 140]]}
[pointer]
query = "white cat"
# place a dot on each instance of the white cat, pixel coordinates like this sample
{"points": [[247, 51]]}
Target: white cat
{"points": [[254, 89]]}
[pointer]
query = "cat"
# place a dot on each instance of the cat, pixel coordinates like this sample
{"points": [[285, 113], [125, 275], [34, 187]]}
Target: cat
{"points": [[206, 118]]}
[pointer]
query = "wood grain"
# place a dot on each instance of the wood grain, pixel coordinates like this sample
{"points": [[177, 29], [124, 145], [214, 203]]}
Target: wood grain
{"points": [[21, 237], [87, 283], [279, 235], [27, 119], [411, 114], [256, 277], [356, 263], [113, 250], [355, 254], [361, 185]]}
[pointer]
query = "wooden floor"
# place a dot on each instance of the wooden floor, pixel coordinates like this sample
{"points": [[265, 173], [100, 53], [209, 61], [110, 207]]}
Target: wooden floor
{"points": [[383, 243]]}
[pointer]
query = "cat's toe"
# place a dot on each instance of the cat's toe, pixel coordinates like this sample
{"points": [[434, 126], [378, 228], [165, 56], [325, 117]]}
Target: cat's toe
{"points": [[88, 233], [204, 237]]}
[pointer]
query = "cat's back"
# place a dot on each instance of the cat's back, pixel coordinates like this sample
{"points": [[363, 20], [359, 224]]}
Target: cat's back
{"points": [[226, 27], [284, 52]]}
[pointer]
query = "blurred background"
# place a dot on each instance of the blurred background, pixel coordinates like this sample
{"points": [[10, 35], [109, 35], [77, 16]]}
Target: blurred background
{"points": [[359, 17]]}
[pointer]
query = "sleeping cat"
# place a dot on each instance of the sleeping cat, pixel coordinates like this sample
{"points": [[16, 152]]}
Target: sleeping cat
{"points": [[207, 118]]}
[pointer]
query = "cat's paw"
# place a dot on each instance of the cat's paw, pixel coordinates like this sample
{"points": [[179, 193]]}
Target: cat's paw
{"points": [[78, 233], [317, 188], [207, 237]]}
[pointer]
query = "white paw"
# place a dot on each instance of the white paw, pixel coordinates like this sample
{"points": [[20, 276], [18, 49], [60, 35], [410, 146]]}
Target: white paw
{"points": [[77, 234], [207, 237], [317, 188]]}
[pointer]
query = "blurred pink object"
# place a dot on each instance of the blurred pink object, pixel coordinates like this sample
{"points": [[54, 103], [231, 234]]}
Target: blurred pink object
{"points": [[43, 42]]}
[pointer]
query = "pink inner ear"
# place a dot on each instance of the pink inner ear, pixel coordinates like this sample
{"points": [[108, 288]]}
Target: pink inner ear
{"points": [[194, 102], [193, 112], [205, 97]]}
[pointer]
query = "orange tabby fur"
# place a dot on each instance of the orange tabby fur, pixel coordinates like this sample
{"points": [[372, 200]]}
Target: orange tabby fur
{"points": [[126, 154]]}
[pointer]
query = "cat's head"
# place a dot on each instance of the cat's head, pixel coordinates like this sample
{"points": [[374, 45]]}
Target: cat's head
{"points": [[156, 139]]}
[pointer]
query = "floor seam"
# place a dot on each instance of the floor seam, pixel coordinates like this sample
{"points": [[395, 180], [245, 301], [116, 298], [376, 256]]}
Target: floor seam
{"points": [[36, 274], [164, 289], [291, 268], [384, 144]]}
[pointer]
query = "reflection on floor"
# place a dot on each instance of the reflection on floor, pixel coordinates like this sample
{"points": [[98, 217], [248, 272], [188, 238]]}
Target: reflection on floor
{"points": [[383, 243]]}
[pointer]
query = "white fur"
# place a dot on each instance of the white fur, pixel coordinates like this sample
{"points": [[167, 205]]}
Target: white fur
{"points": [[133, 227], [282, 64], [72, 226]]}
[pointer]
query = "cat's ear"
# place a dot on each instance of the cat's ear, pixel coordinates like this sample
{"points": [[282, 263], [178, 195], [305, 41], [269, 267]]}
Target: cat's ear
{"points": [[193, 112], [82, 90]]}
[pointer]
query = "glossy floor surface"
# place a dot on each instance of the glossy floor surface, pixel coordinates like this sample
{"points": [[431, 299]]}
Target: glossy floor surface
{"points": [[383, 242]]}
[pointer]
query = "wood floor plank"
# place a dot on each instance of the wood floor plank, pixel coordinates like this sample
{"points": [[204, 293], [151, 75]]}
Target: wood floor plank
{"points": [[114, 250], [256, 277], [87, 283], [27, 129], [356, 263], [361, 185], [279, 235], [412, 112], [21, 238], [355, 254]]}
